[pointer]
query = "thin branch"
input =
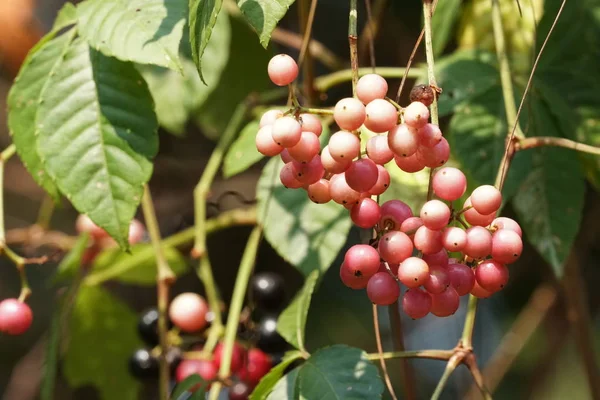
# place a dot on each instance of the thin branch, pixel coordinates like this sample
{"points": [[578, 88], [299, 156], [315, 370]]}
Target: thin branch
{"points": [[353, 41], [470, 362], [164, 278], [386, 375], [370, 39], [427, 14], [305, 58], [409, 64], [467, 335], [317, 49], [326, 82], [539, 141], [408, 375], [442, 355], [453, 362], [369, 32]]}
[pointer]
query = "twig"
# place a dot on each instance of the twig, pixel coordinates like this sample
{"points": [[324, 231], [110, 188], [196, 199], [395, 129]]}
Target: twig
{"points": [[317, 49], [470, 362], [45, 212], [442, 355], [369, 32], [307, 18], [370, 39], [326, 82], [467, 335], [409, 64], [164, 278], [408, 375], [235, 308], [353, 41], [386, 375], [453, 362], [539, 141]]}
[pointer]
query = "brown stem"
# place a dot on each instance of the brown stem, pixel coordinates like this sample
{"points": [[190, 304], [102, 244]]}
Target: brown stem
{"points": [[442, 355], [386, 375], [369, 39], [306, 17], [539, 141], [353, 41], [408, 375], [471, 363]]}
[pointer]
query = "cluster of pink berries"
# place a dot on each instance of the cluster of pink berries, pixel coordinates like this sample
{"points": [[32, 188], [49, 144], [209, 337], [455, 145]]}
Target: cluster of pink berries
{"points": [[416, 250]]}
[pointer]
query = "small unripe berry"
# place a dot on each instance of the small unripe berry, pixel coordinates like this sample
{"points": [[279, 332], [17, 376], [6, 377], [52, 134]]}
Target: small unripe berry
{"points": [[381, 116], [269, 117], [188, 312], [416, 115], [349, 114], [486, 199], [282, 70], [265, 144], [371, 87]]}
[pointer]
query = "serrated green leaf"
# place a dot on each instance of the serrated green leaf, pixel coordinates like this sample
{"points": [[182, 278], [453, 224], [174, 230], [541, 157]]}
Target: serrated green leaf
{"points": [[102, 338], [142, 31], [307, 235], [269, 381], [243, 153], [477, 136], [177, 96], [442, 23], [286, 388], [143, 269], [71, 262], [339, 372], [264, 15], [246, 58], [291, 323], [66, 16], [97, 134], [23, 103], [463, 76], [203, 18], [187, 384]]}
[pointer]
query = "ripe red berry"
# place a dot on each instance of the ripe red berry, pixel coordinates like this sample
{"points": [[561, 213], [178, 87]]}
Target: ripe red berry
{"points": [[413, 272], [393, 214], [206, 369], [306, 149], [506, 246], [395, 247], [416, 303], [446, 303], [381, 116], [435, 156], [188, 312], [428, 240], [378, 150], [449, 183], [311, 123], [237, 357], [480, 292], [473, 217], [382, 289], [310, 172], [366, 213], [371, 87], [435, 214], [486, 199], [282, 70], [507, 223], [440, 258], [383, 181], [429, 135], [341, 192], [454, 239], [479, 242], [438, 280], [410, 164], [349, 114], [410, 226], [491, 275], [352, 280], [362, 175], [461, 277], [15, 317], [362, 260], [318, 192], [258, 365], [416, 115], [287, 175]]}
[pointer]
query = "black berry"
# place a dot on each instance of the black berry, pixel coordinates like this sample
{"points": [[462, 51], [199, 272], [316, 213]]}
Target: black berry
{"points": [[143, 364], [148, 327], [267, 290], [269, 340]]}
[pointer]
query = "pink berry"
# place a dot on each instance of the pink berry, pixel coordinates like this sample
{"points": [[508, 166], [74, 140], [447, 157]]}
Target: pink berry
{"points": [[446, 303], [435, 214], [282, 70], [402, 140], [310, 172], [461, 277], [428, 240], [440, 258], [258, 365], [429, 135], [435, 156], [507, 246], [438, 280], [366, 213], [410, 226], [269, 117], [351, 280], [85, 224], [265, 144], [479, 242], [416, 115], [413, 272], [310, 123], [341, 192], [286, 132], [507, 223], [237, 357], [454, 239], [308, 147], [15, 317], [382, 289], [416, 303], [383, 181], [318, 192], [480, 292], [344, 146], [349, 114], [205, 368], [486, 199], [378, 150], [449, 184], [332, 165], [136, 232], [410, 164], [188, 312], [285, 156], [395, 247], [287, 176], [381, 116], [362, 175], [491, 275], [393, 214], [371, 87], [475, 218]]}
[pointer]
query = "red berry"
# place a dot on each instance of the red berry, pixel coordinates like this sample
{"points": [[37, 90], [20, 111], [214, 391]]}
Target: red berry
{"points": [[393, 214], [282, 70], [366, 213], [413, 272], [416, 303], [15, 317], [206, 369], [491, 275], [362, 260], [258, 365], [445, 303], [382, 289], [237, 357], [461, 277], [395, 247], [349, 114]]}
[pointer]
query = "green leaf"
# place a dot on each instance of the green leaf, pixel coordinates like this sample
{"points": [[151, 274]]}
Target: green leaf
{"points": [[187, 384], [442, 24], [242, 154], [286, 387], [291, 323], [339, 372], [477, 135], [97, 134], [177, 96], [463, 76], [143, 269], [203, 18], [71, 262], [102, 338], [269, 381], [143, 31], [66, 16], [307, 235], [246, 58], [23, 102], [264, 15]]}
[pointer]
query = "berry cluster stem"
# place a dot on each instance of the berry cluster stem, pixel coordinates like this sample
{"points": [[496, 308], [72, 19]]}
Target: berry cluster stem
{"points": [[353, 41], [164, 278], [306, 16], [235, 309]]}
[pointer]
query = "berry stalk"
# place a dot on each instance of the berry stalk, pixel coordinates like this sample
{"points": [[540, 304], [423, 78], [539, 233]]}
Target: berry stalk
{"points": [[353, 41]]}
